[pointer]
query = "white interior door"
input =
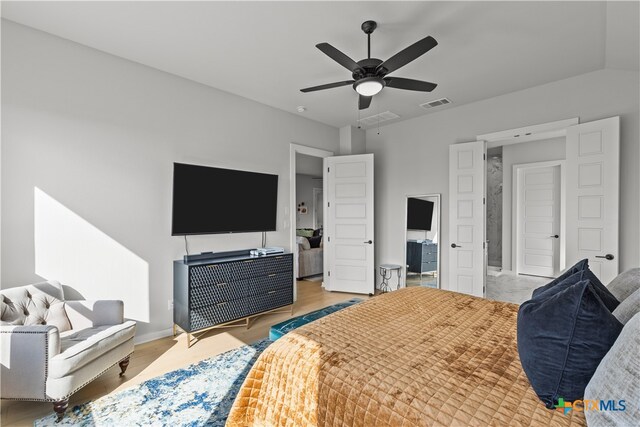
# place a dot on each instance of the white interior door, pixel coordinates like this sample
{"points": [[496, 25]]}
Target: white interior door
{"points": [[349, 243], [538, 220], [467, 217], [593, 178]]}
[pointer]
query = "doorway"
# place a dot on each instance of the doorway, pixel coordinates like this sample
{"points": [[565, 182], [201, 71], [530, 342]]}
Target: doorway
{"points": [[539, 220], [306, 176]]}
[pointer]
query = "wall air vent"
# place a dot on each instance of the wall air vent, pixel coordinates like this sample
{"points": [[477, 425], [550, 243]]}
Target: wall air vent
{"points": [[378, 118], [435, 103]]}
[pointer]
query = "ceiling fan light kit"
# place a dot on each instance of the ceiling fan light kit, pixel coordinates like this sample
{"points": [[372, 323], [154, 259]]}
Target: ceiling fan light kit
{"points": [[369, 86], [370, 74]]}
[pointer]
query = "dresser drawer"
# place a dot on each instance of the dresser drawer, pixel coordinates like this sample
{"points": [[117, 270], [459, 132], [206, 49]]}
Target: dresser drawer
{"points": [[270, 265], [429, 256], [211, 294], [265, 284], [221, 312], [212, 274], [429, 266], [270, 300]]}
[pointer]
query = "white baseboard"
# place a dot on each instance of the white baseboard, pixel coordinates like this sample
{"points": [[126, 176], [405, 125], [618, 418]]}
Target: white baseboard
{"points": [[152, 336]]}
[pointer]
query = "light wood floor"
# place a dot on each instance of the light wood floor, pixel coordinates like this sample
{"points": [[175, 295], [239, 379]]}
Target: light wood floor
{"points": [[167, 354]]}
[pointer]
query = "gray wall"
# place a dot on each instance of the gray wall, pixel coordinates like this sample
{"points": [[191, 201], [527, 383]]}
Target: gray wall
{"points": [[411, 156], [495, 183], [516, 154], [91, 138], [304, 193]]}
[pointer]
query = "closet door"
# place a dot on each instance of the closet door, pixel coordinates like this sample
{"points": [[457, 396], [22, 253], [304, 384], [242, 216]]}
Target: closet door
{"points": [[593, 179], [467, 217]]}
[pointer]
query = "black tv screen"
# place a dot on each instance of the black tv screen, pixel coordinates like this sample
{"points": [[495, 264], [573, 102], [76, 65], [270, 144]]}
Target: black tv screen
{"points": [[210, 200], [419, 214]]}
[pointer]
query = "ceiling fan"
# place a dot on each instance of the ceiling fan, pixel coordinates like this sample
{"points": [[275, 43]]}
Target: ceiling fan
{"points": [[370, 74]]}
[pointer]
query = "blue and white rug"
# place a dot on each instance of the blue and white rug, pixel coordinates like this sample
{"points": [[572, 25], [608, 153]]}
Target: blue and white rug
{"points": [[199, 395]]}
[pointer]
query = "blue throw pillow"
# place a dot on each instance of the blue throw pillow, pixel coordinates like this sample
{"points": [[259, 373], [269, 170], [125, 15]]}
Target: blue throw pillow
{"points": [[578, 267], [605, 295], [561, 340]]}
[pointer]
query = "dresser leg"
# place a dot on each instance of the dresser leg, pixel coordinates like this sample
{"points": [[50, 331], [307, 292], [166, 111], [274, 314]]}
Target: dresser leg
{"points": [[247, 323], [175, 330], [188, 340]]}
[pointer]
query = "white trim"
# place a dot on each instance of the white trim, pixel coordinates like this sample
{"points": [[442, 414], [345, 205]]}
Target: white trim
{"points": [[515, 259], [293, 150], [317, 190], [528, 133], [438, 197], [152, 336]]}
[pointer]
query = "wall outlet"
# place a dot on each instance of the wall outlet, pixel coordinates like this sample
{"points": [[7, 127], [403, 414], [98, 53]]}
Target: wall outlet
{"points": [[170, 304]]}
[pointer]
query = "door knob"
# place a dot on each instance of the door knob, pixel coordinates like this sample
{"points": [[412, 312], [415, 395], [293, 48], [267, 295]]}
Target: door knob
{"points": [[555, 236], [453, 245], [608, 257], [369, 242]]}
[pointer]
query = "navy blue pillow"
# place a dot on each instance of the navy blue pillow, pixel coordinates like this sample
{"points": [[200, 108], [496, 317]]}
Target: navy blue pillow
{"points": [[605, 295], [562, 339], [578, 267]]}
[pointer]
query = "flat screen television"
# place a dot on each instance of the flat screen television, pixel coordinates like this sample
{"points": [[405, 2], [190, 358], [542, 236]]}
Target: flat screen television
{"points": [[210, 200], [419, 214]]}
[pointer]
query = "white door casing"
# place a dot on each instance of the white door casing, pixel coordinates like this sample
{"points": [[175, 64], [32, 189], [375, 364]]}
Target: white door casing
{"points": [[467, 217], [538, 212], [593, 177], [349, 224]]}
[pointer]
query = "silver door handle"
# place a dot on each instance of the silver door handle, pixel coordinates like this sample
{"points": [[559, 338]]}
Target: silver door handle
{"points": [[608, 257]]}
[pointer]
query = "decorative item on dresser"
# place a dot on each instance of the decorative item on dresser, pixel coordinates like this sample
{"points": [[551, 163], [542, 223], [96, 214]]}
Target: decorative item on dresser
{"points": [[223, 290]]}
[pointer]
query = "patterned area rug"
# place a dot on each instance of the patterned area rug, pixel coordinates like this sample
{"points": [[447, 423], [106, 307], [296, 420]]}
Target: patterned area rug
{"points": [[198, 395]]}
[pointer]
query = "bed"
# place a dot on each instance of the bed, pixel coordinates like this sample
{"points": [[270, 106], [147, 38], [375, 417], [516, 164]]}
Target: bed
{"points": [[414, 357]]}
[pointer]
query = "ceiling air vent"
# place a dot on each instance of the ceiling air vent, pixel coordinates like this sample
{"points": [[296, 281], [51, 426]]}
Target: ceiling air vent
{"points": [[436, 103], [378, 118]]}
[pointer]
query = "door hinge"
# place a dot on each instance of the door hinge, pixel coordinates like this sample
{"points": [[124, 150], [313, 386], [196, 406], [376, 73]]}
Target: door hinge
{"points": [[329, 273], [328, 170], [484, 156], [484, 201], [328, 204], [328, 239], [483, 245]]}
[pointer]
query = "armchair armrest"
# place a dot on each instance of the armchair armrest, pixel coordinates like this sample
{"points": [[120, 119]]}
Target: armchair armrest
{"points": [[25, 353], [88, 314]]}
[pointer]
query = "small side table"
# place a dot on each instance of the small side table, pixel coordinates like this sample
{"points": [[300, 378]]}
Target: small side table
{"points": [[386, 272]]}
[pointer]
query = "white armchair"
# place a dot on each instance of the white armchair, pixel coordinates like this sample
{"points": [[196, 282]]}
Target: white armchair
{"points": [[50, 348]]}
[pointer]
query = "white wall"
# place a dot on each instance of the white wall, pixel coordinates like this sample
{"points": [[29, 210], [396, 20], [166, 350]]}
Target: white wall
{"points": [[516, 154], [88, 140], [411, 156], [304, 193]]}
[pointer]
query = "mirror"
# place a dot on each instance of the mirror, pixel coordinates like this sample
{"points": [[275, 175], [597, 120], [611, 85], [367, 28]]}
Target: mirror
{"points": [[422, 233]]}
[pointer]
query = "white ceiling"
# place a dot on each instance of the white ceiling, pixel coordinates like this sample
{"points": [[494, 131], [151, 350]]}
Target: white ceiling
{"points": [[265, 50]]}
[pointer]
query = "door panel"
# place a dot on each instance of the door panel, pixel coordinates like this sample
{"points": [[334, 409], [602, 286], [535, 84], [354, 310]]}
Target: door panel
{"points": [[538, 210], [348, 238], [467, 217], [593, 159]]}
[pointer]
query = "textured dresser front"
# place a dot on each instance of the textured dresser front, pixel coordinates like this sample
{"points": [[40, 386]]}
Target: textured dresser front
{"points": [[422, 257], [224, 291]]}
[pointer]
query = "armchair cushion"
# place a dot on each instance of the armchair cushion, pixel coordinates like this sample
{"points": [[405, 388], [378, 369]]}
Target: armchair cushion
{"points": [[38, 304], [79, 347]]}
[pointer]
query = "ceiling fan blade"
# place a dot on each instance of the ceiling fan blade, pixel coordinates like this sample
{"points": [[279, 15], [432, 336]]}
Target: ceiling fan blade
{"points": [[338, 56], [327, 86], [407, 55], [364, 102], [409, 84]]}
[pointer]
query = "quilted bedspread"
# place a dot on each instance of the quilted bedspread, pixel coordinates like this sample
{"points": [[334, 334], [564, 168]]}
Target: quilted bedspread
{"points": [[413, 357]]}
